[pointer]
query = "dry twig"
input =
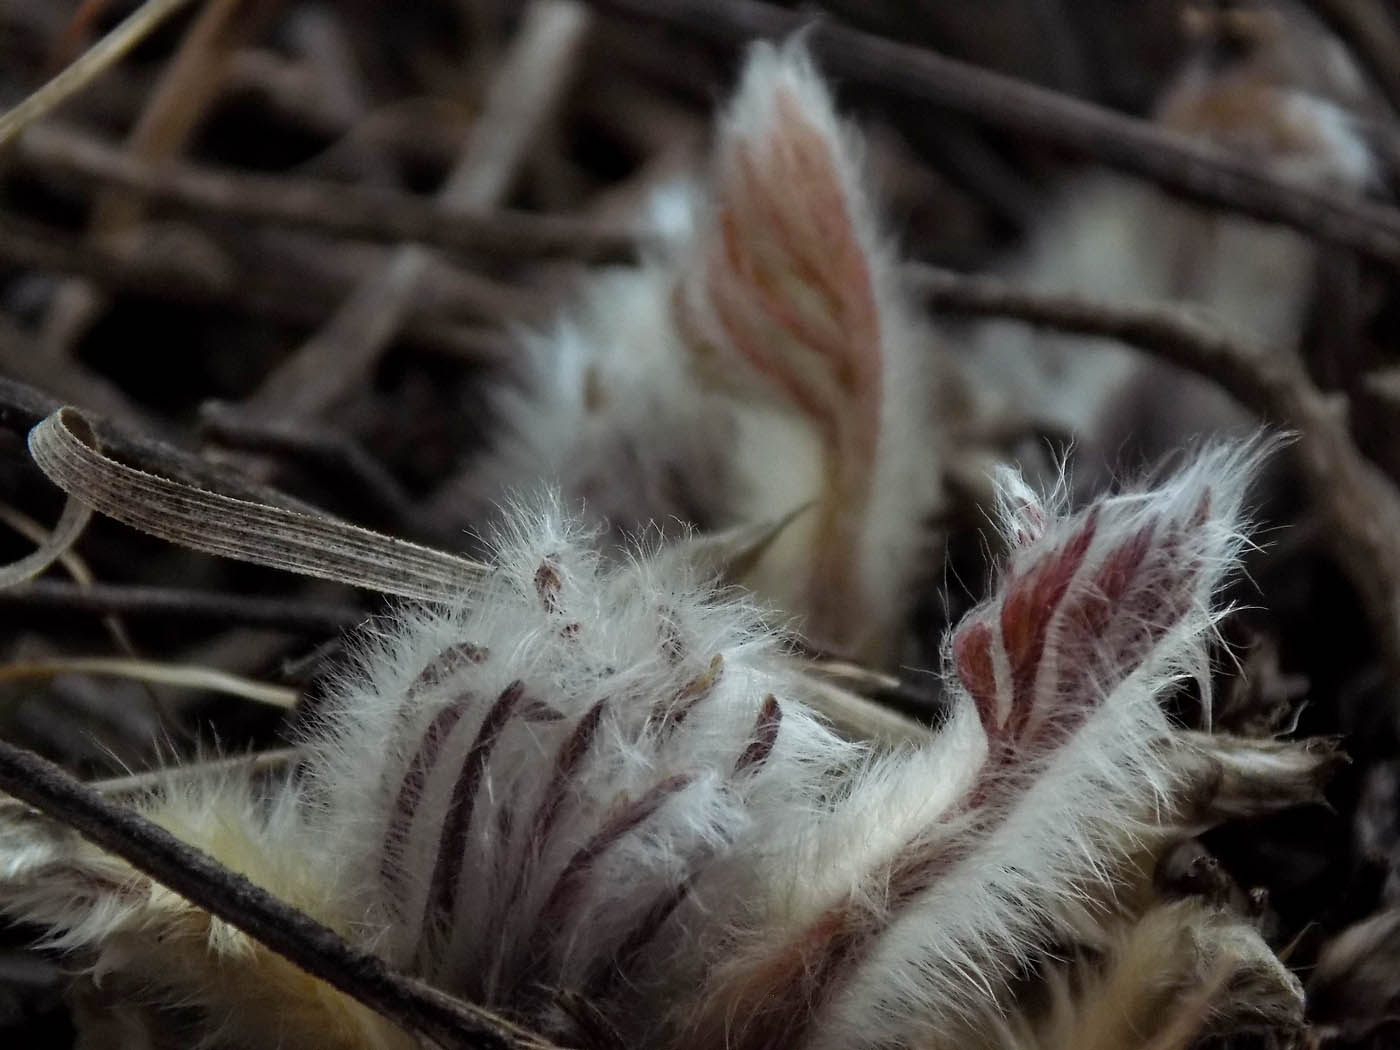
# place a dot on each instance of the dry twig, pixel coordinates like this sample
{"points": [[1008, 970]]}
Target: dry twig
{"points": [[153, 672], [322, 448], [294, 615], [371, 213], [1184, 165], [1370, 30], [92, 64], [258, 293], [186, 87], [527, 90]]}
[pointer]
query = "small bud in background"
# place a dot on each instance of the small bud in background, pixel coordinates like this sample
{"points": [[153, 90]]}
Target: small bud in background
{"points": [[767, 360], [1266, 82]]}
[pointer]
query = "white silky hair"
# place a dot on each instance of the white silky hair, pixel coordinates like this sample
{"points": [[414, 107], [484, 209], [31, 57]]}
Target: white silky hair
{"points": [[604, 408], [163, 951], [595, 779], [1023, 868], [667, 680], [1179, 971], [501, 797]]}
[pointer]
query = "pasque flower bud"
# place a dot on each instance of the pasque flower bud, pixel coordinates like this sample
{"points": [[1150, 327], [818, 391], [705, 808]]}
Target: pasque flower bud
{"points": [[591, 796]]}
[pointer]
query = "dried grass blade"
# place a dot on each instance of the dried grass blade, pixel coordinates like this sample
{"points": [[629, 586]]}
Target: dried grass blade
{"points": [[93, 62], [53, 545], [187, 675], [258, 533]]}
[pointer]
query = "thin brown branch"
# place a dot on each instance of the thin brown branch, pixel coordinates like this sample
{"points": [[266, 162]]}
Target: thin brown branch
{"points": [[231, 897], [1370, 30], [319, 447], [293, 615], [188, 83], [1354, 499], [66, 378], [1194, 169], [83, 577], [324, 207], [527, 90], [154, 672], [91, 65], [187, 86], [135, 784], [256, 293], [36, 247], [1264, 381], [74, 565]]}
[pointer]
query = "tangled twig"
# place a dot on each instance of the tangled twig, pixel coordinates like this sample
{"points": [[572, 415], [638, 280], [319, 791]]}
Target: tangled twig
{"points": [[295, 615], [527, 89], [1354, 498], [374, 213], [1179, 163]]}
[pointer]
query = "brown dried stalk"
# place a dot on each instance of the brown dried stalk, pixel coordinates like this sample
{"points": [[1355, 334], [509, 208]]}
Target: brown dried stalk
{"points": [[68, 379], [231, 897], [341, 210], [188, 84], [294, 615], [71, 563], [91, 65], [258, 293], [528, 88], [1194, 169], [320, 448], [153, 672], [1355, 500]]}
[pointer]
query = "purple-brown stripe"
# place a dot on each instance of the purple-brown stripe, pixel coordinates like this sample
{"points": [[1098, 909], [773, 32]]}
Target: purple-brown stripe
{"points": [[626, 817], [765, 735], [548, 583], [411, 789], [606, 973], [566, 763], [447, 871], [445, 664]]}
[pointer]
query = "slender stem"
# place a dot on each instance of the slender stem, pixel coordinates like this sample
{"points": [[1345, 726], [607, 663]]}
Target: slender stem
{"points": [[294, 615], [89, 66], [372, 213], [1194, 169]]}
